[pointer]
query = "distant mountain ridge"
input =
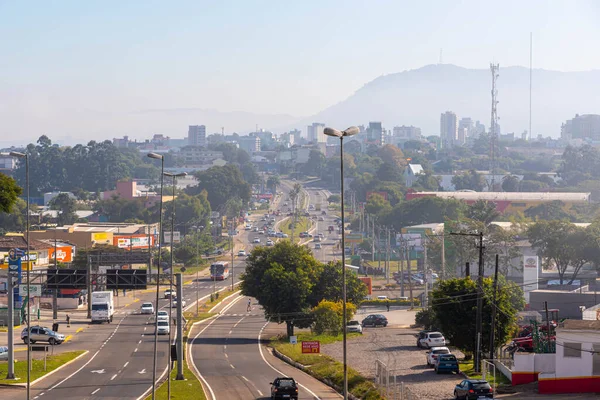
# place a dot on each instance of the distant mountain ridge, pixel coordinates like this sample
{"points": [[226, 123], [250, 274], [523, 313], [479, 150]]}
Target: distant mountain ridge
{"points": [[417, 97]]}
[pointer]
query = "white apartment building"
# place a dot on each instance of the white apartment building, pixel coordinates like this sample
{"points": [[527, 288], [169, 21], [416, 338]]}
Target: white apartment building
{"points": [[197, 135], [448, 129]]}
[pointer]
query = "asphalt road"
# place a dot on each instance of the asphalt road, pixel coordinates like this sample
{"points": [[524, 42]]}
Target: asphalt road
{"points": [[234, 364]]}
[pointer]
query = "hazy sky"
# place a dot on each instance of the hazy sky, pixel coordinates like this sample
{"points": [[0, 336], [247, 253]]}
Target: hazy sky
{"points": [[66, 64]]}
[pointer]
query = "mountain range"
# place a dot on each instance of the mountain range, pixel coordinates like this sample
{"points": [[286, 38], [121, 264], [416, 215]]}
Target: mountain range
{"points": [[418, 97]]}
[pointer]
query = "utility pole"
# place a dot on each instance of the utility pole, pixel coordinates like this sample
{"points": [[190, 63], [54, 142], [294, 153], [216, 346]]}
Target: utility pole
{"points": [[55, 291], [479, 319], [179, 344], [443, 271], [493, 325], [408, 268], [232, 267], [425, 273], [467, 270], [379, 248], [402, 244]]}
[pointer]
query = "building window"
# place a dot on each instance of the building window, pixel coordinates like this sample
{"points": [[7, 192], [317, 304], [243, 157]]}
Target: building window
{"points": [[572, 350]]}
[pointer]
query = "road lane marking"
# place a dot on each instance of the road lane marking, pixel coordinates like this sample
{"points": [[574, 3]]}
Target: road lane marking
{"points": [[140, 341], [226, 355], [126, 364], [259, 393], [96, 391], [231, 365], [246, 379], [135, 351], [230, 332], [113, 377], [79, 330]]}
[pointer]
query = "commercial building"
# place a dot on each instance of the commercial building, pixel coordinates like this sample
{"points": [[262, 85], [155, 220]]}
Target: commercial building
{"points": [[448, 129], [200, 157], [315, 133], [38, 251], [509, 202], [197, 135], [586, 126], [129, 190], [250, 144]]}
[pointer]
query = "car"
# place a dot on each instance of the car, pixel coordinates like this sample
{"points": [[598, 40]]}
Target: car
{"points": [[169, 293], [242, 253], [321, 219], [285, 204], [255, 229], [323, 212], [162, 316], [248, 227], [433, 354], [311, 207], [42, 334], [284, 388], [214, 252], [470, 389], [375, 320], [147, 308], [174, 303], [354, 326], [318, 246], [279, 234], [284, 236], [270, 242], [432, 339], [321, 235], [163, 328], [317, 239], [256, 240], [422, 334], [446, 363], [261, 232], [382, 297], [3, 353]]}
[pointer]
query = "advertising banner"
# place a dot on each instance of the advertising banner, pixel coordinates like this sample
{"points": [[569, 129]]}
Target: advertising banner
{"points": [[134, 242], [64, 254]]}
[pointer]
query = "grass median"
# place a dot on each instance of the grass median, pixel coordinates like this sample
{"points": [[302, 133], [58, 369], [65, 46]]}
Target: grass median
{"points": [[325, 368], [37, 367], [302, 225], [190, 388]]}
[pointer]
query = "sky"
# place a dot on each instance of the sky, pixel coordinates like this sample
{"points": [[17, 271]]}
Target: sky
{"points": [[74, 68]]}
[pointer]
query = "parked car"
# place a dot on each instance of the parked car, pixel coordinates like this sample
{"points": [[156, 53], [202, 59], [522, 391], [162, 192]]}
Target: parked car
{"points": [[284, 388], [3, 353], [163, 328], [42, 334], [270, 242], [434, 353], [432, 339], [162, 316], [446, 363], [256, 240], [284, 235], [422, 335], [473, 389], [147, 308], [242, 253], [214, 252], [375, 320], [354, 326], [382, 297], [321, 219]]}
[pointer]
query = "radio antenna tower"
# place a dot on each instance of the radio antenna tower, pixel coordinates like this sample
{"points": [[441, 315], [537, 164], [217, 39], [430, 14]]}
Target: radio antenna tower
{"points": [[494, 122]]}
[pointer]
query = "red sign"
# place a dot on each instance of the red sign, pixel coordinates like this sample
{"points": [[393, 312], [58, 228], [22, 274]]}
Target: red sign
{"points": [[64, 254], [311, 347]]}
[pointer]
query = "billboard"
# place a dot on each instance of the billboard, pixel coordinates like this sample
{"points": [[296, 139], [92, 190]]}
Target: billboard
{"points": [[167, 236], [64, 254], [136, 241], [411, 239]]}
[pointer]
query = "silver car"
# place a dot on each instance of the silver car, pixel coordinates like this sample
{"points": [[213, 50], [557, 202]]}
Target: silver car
{"points": [[163, 328], [42, 334], [3, 353], [147, 308], [354, 326]]}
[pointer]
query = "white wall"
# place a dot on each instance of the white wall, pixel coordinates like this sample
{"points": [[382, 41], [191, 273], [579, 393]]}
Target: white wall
{"points": [[575, 366]]}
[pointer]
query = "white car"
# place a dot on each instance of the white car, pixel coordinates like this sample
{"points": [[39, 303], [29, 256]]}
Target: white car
{"points": [[242, 253], [163, 328], [3, 353], [270, 242], [432, 339], [256, 240], [317, 246], [174, 303], [169, 293], [255, 229], [434, 353], [162, 316], [147, 308], [354, 326], [284, 235]]}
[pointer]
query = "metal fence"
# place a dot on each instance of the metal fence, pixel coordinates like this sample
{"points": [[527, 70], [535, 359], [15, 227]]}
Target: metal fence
{"points": [[389, 385]]}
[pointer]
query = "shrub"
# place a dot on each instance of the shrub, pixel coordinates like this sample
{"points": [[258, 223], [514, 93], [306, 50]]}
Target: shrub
{"points": [[328, 317], [425, 318]]}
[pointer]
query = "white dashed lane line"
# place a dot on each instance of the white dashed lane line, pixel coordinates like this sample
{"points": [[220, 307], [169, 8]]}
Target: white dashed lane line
{"points": [[96, 391]]}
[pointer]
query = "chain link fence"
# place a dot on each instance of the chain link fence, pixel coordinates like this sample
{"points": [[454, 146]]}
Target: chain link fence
{"points": [[389, 385]]}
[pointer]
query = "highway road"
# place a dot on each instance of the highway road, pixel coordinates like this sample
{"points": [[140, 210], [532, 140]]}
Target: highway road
{"points": [[229, 355]]}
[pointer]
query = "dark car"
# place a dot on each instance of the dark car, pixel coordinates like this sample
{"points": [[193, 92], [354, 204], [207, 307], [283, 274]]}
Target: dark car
{"points": [[470, 389], [446, 363], [284, 388], [375, 320]]}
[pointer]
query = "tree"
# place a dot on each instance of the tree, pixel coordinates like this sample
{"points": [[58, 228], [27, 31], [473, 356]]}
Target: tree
{"points": [[510, 183], [562, 244], [377, 204], [328, 316], [315, 165], [119, 209], [14, 221], [9, 193], [329, 286], [470, 180], [66, 207], [456, 300], [392, 155], [294, 194], [527, 185], [553, 210], [427, 182], [390, 172], [273, 182], [334, 198], [482, 210], [282, 278], [221, 184]]}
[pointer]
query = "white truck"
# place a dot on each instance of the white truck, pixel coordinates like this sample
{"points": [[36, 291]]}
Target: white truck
{"points": [[103, 307]]}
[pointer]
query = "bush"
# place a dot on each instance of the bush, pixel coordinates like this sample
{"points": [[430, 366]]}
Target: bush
{"points": [[328, 317], [425, 318]]}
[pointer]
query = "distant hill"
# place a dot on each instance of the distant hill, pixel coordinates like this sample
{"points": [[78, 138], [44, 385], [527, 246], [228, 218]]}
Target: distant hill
{"points": [[418, 97]]}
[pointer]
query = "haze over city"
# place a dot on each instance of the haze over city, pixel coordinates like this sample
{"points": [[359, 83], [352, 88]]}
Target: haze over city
{"points": [[96, 70]]}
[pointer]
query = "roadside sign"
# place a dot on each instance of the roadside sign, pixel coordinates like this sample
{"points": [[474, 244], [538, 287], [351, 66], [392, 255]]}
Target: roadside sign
{"points": [[293, 339], [36, 290], [354, 238], [176, 237], [313, 346]]}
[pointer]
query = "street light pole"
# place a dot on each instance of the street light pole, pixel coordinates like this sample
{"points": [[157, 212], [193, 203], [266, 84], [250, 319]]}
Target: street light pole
{"points": [[26, 157], [162, 169], [340, 134]]}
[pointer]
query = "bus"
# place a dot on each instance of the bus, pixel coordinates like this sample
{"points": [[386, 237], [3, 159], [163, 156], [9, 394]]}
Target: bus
{"points": [[219, 271]]}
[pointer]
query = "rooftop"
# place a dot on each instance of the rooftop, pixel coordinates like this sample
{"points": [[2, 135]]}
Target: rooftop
{"points": [[576, 324], [116, 228], [12, 242]]}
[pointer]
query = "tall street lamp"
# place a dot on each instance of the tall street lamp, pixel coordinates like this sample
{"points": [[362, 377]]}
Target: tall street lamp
{"points": [[162, 170], [174, 176], [26, 157], [353, 130]]}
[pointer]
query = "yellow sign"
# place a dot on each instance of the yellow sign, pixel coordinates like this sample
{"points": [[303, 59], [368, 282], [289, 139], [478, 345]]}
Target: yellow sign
{"points": [[100, 237]]}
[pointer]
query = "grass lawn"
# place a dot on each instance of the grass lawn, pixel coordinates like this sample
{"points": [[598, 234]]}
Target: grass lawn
{"points": [[467, 368], [37, 367], [302, 225], [324, 367]]}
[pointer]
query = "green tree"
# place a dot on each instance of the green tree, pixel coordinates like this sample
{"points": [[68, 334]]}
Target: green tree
{"points": [[482, 210], [221, 184], [527, 185], [273, 182], [510, 183], [392, 155], [119, 209], [470, 180], [456, 300], [427, 182], [377, 205], [329, 286], [14, 221], [328, 316], [561, 245], [66, 207], [553, 210], [294, 194], [282, 278], [334, 198], [315, 165], [390, 173], [9, 193]]}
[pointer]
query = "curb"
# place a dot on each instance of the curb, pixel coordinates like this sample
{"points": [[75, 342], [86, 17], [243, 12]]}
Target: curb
{"points": [[307, 370], [24, 385]]}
